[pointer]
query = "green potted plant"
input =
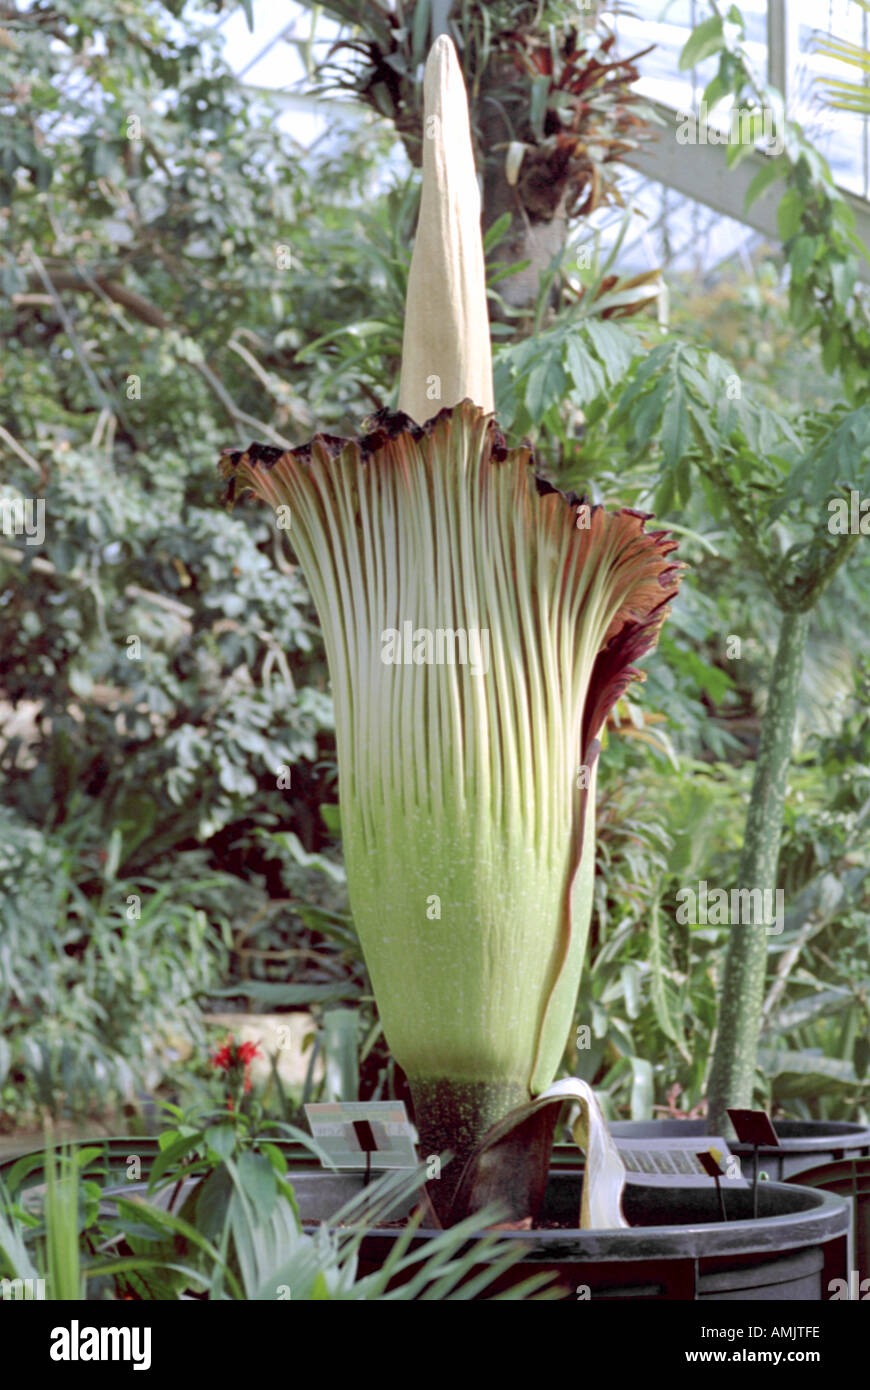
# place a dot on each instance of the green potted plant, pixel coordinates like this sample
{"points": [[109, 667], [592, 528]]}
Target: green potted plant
{"points": [[468, 772], [479, 626]]}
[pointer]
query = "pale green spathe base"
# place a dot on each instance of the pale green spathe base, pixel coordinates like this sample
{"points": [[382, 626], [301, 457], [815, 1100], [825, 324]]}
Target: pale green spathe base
{"points": [[465, 994]]}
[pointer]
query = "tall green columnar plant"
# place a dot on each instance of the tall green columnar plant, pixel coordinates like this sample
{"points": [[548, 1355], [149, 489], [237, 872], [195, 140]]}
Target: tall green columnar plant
{"points": [[732, 1074], [817, 228], [768, 478], [761, 470], [478, 627]]}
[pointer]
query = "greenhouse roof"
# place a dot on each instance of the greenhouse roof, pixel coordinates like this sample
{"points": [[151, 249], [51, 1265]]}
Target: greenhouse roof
{"points": [[691, 205]]}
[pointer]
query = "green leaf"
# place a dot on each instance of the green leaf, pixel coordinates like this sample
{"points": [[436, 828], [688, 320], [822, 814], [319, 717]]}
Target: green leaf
{"points": [[257, 1178], [642, 1088], [545, 386], [212, 1202], [676, 430], [291, 844], [707, 38], [789, 214], [649, 413], [420, 32], [827, 1001], [806, 1073], [173, 1154], [770, 172], [702, 422], [538, 104], [832, 346], [494, 234], [801, 304], [630, 976], [113, 855], [275, 1157], [664, 497], [276, 993], [720, 86], [82, 1157], [586, 372], [843, 276], [662, 991], [684, 481], [802, 255], [330, 814], [164, 1221], [221, 1138], [615, 346], [737, 150]]}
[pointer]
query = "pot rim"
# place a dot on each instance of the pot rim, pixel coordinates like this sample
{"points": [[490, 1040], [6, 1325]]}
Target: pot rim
{"points": [[824, 1218]]}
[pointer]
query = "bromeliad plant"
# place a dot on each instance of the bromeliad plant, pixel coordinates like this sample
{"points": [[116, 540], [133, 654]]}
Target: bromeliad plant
{"points": [[467, 785]]}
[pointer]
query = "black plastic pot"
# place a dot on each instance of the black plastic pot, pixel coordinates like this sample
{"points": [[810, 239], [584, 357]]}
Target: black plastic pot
{"points": [[677, 1247], [803, 1143]]}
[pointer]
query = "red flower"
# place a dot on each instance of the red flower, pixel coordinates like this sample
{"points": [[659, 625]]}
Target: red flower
{"points": [[232, 1056], [224, 1056]]}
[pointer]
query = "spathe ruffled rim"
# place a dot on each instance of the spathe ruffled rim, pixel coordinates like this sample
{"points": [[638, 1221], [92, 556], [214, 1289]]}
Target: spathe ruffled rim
{"points": [[633, 631]]}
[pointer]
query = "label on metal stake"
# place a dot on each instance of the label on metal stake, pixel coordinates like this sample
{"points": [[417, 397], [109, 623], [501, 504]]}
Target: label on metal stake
{"points": [[675, 1161], [349, 1130]]}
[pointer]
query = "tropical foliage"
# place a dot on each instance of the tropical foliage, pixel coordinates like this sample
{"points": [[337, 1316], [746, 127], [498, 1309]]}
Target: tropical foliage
{"points": [[167, 727]]}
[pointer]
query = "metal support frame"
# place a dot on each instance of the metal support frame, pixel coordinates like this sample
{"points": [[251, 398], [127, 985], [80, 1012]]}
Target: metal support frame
{"points": [[779, 45]]}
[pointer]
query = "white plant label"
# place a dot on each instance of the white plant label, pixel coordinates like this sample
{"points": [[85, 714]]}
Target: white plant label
{"points": [[347, 1129], [663, 1162]]}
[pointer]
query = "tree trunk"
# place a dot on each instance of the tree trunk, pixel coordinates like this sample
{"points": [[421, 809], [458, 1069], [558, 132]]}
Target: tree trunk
{"points": [[536, 202], [732, 1075]]}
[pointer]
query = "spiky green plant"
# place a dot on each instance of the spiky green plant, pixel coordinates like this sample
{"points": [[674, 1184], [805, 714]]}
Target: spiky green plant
{"points": [[478, 627]]}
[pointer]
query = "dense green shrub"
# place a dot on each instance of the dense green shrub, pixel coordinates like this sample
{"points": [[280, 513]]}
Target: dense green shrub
{"points": [[100, 972]]}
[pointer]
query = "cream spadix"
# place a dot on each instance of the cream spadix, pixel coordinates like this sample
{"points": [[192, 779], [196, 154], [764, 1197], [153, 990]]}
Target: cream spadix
{"points": [[446, 352]]}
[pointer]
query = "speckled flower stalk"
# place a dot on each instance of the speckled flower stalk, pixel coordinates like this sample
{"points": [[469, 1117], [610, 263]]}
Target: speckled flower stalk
{"points": [[467, 763]]}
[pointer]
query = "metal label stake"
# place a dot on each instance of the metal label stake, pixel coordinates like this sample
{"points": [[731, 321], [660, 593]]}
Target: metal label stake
{"points": [[754, 1127], [368, 1143], [710, 1163]]}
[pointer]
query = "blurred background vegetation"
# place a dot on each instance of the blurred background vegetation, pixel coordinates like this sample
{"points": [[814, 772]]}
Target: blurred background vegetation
{"points": [[179, 276]]}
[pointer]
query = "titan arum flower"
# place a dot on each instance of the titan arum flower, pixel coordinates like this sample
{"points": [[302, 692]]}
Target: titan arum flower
{"points": [[479, 626]]}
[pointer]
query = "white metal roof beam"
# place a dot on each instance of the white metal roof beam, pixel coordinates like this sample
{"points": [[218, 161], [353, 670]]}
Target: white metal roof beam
{"points": [[700, 172]]}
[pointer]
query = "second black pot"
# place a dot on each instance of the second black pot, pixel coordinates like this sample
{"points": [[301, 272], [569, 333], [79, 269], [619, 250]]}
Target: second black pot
{"points": [[803, 1143]]}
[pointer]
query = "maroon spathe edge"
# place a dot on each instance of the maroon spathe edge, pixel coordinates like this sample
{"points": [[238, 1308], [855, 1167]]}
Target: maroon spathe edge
{"points": [[383, 426], [612, 671]]}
